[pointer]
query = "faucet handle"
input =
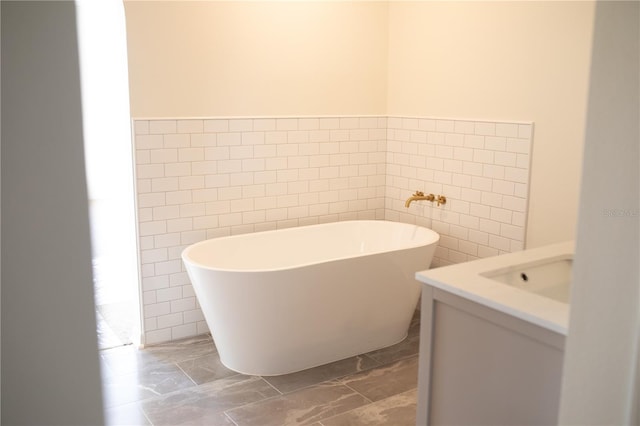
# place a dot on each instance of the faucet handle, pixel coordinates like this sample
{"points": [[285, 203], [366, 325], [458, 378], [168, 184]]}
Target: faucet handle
{"points": [[419, 193], [441, 199]]}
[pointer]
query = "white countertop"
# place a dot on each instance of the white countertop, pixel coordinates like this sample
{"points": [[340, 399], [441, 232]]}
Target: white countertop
{"points": [[464, 280]]}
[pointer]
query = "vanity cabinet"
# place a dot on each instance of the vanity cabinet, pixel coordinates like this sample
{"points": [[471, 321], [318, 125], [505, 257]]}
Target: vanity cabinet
{"points": [[480, 366]]}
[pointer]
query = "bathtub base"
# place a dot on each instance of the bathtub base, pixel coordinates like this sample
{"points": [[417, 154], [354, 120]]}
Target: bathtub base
{"points": [[334, 311], [330, 314], [316, 365]]}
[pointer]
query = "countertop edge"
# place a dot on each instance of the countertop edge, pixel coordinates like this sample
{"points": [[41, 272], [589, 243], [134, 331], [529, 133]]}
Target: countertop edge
{"points": [[464, 280]]}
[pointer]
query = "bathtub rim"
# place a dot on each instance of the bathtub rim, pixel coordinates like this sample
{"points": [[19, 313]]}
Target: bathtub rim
{"points": [[434, 239]]}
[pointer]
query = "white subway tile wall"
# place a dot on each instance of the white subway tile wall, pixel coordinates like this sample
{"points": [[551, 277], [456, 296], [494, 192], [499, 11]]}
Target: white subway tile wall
{"points": [[199, 179], [206, 178], [481, 167]]}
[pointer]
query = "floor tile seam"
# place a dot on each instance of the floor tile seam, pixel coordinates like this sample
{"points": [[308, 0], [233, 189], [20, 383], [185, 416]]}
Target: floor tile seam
{"points": [[301, 388], [345, 412], [367, 354], [195, 387], [106, 348], [366, 405], [333, 379], [381, 365], [371, 401], [264, 379], [353, 409], [199, 339], [143, 401], [135, 404], [398, 360], [147, 399], [147, 368], [137, 401], [158, 397], [186, 374], [165, 395], [336, 378], [186, 358], [221, 411], [229, 418], [146, 416], [374, 401], [394, 360], [133, 357], [181, 360], [109, 380], [388, 362], [229, 411], [144, 413]]}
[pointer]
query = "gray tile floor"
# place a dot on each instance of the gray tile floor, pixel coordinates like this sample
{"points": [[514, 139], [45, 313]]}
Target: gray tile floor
{"points": [[184, 383]]}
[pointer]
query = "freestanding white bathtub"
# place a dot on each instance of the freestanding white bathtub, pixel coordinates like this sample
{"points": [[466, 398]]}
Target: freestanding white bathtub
{"points": [[281, 301]]}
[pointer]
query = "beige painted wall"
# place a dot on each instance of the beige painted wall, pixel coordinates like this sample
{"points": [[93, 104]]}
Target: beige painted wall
{"points": [[256, 58], [509, 61], [477, 60]]}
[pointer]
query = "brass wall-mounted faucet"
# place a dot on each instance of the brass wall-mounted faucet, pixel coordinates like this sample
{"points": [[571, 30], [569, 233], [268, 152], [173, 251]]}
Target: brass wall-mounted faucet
{"points": [[419, 195]]}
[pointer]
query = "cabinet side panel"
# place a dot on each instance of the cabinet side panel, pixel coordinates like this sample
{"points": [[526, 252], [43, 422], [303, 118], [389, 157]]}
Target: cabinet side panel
{"points": [[485, 374]]}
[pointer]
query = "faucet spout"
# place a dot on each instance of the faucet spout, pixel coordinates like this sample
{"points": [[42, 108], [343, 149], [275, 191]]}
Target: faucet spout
{"points": [[419, 195]]}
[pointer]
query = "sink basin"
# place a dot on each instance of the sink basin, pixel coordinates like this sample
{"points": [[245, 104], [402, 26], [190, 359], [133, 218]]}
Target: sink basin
{"points": [[548, 277], [532, 285]]}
